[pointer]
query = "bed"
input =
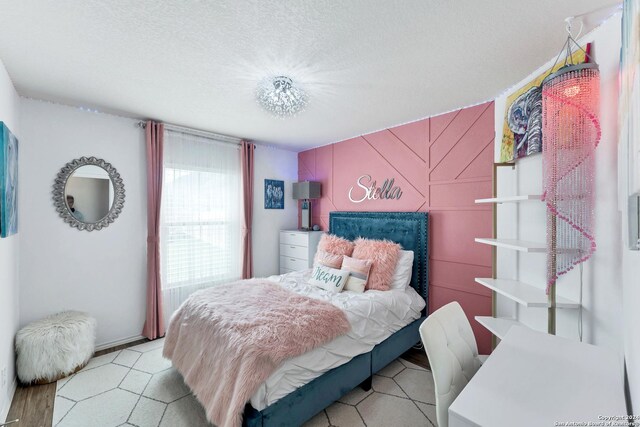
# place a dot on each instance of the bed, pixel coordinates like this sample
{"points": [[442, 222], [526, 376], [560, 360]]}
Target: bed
{"points": [[406, 228]]}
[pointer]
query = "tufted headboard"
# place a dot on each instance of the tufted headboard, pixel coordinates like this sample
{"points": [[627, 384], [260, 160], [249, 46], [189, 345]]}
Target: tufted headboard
{"points": [[409, 229]]}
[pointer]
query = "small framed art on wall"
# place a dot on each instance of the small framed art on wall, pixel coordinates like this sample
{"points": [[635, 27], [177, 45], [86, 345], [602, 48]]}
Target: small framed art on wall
{"points": [[273, 194]]}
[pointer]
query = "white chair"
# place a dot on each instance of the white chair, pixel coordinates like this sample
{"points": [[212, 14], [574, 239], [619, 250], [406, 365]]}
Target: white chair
{"points": [[453, 355]]}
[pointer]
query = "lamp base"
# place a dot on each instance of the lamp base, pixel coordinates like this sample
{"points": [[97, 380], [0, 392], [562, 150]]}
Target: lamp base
{"points": [[305, 215]]}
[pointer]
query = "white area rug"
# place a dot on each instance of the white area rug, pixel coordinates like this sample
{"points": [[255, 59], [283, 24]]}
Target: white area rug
{"points": [[138, 387]]}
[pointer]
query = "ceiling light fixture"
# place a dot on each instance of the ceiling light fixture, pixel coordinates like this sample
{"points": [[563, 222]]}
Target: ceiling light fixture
{"points": [[570, 134], [280, 97]]}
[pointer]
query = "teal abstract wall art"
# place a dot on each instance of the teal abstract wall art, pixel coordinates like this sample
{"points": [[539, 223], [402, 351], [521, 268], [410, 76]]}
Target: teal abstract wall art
{"points": [[8, 182]]}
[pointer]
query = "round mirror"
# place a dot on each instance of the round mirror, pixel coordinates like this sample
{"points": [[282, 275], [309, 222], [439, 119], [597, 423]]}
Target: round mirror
{"points": [[88, 193]]}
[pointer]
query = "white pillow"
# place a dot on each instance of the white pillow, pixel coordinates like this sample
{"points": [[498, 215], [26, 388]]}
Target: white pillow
{"points": [[355, 284], [329, 279], [402, 273]]}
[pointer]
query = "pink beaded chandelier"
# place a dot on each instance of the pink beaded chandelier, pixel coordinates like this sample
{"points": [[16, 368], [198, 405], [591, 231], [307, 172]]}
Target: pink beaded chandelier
{"points": [[571, 132]]}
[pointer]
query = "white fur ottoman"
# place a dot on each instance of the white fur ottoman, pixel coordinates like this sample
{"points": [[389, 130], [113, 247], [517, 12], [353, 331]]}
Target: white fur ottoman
{"points": [[54, 347]]}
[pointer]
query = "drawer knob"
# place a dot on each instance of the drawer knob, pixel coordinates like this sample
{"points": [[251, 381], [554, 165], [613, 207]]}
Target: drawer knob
{"points": [[292, 247], [293, 260]]}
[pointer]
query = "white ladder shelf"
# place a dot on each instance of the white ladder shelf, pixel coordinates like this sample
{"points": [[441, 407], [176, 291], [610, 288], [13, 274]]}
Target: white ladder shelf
{"points": [[522, 293], [516, 245]]}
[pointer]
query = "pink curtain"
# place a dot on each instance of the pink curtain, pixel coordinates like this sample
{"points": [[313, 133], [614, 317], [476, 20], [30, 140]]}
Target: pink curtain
{"points": [[248, 151], [154, 324]]}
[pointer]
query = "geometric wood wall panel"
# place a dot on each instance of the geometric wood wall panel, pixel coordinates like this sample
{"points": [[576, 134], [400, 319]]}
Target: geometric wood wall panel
{"points": [[409, 165], [414, 136], [459, 194], [357, 157], [442, 164], [473, 305], [458, 276], [453, 234], [454, 159]]}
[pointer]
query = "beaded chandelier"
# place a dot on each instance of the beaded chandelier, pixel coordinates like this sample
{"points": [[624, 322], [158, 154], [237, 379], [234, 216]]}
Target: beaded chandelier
{"points": [[570, 135], [281, 97]]}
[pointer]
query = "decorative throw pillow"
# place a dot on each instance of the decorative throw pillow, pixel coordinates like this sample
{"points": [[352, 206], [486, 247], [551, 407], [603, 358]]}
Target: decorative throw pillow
{"points": [[359, 273], [329, 279], [327, 259], [335, 245], [383, 255], [404, 269]]}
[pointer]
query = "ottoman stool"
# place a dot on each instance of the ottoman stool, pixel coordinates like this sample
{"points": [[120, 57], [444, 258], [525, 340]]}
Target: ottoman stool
{"points": [[54, 347]]}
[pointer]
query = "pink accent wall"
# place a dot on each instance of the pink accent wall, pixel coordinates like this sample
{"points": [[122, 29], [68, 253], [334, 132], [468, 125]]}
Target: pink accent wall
{"points": [[442, 164]]}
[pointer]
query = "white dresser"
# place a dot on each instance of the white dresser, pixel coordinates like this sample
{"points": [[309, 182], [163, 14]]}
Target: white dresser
{"points": [[297, 249]]}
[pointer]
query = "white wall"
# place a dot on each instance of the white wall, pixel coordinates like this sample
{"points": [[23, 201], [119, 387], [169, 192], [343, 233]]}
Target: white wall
{"points": [[272, 163], [104, 272], [101, 272], [602, 293], [631, 298], [9, 247], [630, 267]]}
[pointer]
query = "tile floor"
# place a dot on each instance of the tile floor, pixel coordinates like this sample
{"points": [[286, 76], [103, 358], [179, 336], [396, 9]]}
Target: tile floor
{"points": [[138, 387]]}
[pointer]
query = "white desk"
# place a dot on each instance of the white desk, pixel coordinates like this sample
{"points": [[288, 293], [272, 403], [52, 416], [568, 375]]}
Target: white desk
{"points": [[535, 379]]}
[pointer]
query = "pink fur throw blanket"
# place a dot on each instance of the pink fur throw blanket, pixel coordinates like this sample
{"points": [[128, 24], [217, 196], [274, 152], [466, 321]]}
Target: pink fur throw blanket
{"points": [[228, 339]]}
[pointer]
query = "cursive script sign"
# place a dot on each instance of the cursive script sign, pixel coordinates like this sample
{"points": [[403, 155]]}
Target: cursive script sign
{"points": [[370, 191]]}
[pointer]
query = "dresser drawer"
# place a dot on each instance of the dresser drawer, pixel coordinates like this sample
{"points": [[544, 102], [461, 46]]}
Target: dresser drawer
{"points": [[292, 238], [295, 264], [300, 252]]}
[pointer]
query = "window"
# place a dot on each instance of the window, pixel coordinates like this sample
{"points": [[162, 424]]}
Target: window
{"points": [[200, 217]]}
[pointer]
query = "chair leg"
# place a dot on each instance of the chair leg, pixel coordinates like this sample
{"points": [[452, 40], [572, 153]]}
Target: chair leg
{"points": [[366, 384]]}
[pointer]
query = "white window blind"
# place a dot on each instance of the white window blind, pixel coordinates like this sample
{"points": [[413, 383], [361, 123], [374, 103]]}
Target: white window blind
{"points": [[201, 216]]}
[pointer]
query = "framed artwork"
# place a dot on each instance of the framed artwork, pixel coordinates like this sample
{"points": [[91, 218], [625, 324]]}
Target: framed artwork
{"points": [[8, 182], [522, 126], [273, 194]]}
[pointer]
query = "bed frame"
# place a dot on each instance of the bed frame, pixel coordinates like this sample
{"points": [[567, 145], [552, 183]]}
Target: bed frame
{"points": [[406, 228]]}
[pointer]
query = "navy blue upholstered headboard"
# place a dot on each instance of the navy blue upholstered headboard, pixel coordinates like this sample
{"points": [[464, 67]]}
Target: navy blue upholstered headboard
{"points": [[407, 228]]}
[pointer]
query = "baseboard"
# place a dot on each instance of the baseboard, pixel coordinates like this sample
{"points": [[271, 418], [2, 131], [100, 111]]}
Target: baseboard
{"points": [[5, 411], [116, 343]]}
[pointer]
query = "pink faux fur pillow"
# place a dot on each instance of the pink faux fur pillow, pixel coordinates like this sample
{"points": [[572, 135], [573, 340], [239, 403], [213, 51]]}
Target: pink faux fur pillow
{"points": [[335, 245], [327, 259], [383, 255]]}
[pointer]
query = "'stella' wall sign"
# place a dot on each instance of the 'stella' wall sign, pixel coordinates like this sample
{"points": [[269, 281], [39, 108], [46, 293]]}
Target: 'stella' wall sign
{"points": [[372, 192]]}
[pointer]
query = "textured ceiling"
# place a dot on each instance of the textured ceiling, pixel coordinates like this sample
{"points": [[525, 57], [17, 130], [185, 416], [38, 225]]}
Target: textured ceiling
{"points": [[366, 64]]}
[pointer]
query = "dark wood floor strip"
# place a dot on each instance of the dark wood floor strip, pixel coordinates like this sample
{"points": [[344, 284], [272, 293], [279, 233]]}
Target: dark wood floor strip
{"points": [[33, 405], [418, 357]]}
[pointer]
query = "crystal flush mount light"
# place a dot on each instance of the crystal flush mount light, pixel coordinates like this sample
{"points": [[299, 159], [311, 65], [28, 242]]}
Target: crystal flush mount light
{"points": [[281, 97]]}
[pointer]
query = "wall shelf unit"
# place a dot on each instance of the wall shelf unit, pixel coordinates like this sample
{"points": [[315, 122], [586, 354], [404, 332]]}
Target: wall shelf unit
{"points": [[523, 293], [498, 326], [510, 199], [516, 245]]}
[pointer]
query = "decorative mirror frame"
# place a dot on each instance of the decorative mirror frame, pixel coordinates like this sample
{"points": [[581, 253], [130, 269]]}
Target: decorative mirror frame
{"points": [[59, 197]]}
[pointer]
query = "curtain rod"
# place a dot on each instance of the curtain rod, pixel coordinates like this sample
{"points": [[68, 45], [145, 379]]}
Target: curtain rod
{"points": [[196, 132]]}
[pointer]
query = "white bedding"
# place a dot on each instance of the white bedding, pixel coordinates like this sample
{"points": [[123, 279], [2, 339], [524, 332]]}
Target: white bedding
{"points": [[374, 316]]}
